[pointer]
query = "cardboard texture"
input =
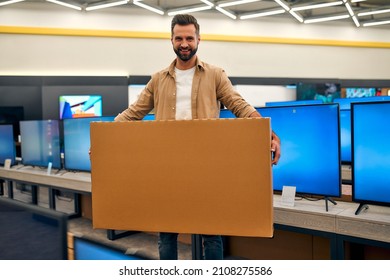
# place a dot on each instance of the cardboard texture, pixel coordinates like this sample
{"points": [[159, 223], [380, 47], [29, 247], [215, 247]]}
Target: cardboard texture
{"points": [[195, 176]]}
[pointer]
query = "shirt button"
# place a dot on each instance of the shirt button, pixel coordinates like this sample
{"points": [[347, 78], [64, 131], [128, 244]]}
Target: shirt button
{"points": [[173, 108]]}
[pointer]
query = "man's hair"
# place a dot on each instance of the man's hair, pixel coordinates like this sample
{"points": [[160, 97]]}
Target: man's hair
{"points": [[185, 19]]}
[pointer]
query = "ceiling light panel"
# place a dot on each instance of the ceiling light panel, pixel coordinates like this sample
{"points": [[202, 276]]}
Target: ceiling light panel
{"points": [[61, 3], [317, 6], [149, 7], [10, 2], [224, 4], [356, 12], [105, 5]]}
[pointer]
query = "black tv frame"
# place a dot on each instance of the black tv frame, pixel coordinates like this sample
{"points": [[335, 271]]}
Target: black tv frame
{"points": [[363, 203], [40, 218]]}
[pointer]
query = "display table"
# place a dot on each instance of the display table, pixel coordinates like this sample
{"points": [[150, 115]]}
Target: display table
{"points": [[339, 224], [78, 182], [74, 182]]}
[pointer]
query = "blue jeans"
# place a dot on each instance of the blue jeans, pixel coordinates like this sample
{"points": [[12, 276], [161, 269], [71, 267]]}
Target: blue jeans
{"points": [[167, 246]]}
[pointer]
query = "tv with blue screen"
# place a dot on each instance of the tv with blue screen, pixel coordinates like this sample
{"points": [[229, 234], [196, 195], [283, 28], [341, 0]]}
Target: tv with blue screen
{"points": [[370, 153], [80, 106], [345, 122], [40, 143], [7, 144], [149, 117], [345, 136], [310, 152], [85, 249], [77, 142], [293, 102], [226, 114]]}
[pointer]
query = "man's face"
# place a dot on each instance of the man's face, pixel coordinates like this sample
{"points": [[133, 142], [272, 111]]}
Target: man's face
{"points": [[185, 41]]}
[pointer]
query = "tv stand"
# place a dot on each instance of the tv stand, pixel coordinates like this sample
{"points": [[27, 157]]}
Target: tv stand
{"points": [[362, 206], [327, 198], [112, 234]]}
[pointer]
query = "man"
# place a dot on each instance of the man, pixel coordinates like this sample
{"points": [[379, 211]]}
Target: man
{"points": [[190, 89]]}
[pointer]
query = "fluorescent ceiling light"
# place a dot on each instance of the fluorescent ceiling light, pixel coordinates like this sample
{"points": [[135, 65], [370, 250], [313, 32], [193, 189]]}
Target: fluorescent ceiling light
{"points": [[373, 12], [10, 2], [263, 14], [238, 2], [226, 13], [317, 6], [65, 4], [189, 10], [376, 23], [355, 1], [284, 5], [107, 5], [297, 16], [355, 20], [350, 11], [326, 19], [208, 3], [147, 7]]}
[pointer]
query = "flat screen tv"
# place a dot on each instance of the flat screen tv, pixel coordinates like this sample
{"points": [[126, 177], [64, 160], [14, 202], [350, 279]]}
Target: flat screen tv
{"points": [[293, 102], [310, 152], [12, 115], [77, 142], [85, 249], [345, 122], [149, 117], [370, 153], [7, 144], [80, 106], [361, 92], [318, 91], [226, 114], [31, 232], [40, 143]]}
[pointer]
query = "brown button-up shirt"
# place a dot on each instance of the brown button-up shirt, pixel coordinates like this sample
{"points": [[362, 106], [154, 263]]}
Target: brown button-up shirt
{"points": [[210, 88]]}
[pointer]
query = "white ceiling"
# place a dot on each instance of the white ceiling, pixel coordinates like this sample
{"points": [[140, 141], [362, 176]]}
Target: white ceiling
{"points": [[304, 11]]}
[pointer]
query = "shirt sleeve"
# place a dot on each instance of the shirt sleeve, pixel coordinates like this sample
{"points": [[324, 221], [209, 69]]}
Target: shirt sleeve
{"points": [[141, 107], [231, 99]]}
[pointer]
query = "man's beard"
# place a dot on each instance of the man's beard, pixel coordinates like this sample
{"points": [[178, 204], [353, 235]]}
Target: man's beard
{"points": [[185, 57]]}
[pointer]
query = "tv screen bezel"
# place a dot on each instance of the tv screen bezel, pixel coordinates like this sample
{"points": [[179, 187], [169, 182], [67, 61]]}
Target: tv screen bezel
{"points": [[293, 102], [354, 198], [302, 193], [345, 106]]}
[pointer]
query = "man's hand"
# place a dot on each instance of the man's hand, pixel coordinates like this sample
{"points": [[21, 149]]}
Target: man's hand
{"points": [[275, 148], [275, 142]]}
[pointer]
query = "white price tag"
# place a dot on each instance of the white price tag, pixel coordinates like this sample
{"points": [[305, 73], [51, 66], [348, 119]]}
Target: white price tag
{"points": [[288, 195]]}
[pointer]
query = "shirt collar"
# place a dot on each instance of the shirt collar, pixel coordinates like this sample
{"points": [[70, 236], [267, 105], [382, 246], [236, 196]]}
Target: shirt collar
{"points": [[171, 69]]}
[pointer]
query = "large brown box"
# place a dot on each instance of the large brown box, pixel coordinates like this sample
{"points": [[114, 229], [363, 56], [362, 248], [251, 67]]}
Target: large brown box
{"points": [[196, 176]]}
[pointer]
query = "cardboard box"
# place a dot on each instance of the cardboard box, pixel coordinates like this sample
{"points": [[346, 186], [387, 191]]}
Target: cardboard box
{"points": [[196, 176]]}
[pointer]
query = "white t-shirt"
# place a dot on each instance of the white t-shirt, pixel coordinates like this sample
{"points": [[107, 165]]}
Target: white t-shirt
{"points": [[183, 93]]}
